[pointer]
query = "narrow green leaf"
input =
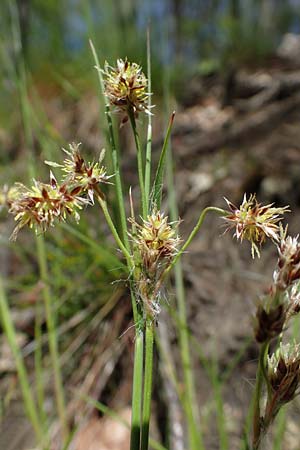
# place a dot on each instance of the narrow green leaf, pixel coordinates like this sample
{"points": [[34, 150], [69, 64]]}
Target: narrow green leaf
{"points": [[158, 181]]}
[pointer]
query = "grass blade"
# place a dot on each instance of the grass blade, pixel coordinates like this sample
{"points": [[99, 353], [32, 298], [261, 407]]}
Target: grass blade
{"points": [[158, 181], [10, 333]]}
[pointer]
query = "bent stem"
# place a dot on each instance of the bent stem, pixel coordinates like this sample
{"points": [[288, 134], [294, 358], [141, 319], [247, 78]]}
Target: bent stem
{"points": [[115, 234], [149, 338], [199, 224], [260, 377]]}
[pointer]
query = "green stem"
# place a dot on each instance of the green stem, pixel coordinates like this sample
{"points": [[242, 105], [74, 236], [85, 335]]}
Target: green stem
{"points": [[115, 234], [189, 404], [52, 337], [147, 382], [138, 349], [149, 130], [220, 211], [194, 430], [38, 365], [139, 161], [26, 111], [10, 332], [115, 154], [260, 375], [137, 390]]}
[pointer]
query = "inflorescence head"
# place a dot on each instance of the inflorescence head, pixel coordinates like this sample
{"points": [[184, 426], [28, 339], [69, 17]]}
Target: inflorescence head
{"points": [[156, 244], [283, 371], [254, 222], [157, 240], [43, 204], [126, 87]]}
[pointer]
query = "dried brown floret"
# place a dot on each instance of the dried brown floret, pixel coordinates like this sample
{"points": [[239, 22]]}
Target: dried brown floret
{"points": [[284, 375], [288, 265]]}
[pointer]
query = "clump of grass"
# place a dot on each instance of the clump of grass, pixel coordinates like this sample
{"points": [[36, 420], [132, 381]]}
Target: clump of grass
{"points": [[150, 247]]}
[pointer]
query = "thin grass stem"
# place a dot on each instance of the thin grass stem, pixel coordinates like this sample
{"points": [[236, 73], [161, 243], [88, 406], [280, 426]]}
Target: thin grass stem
{"points": [[38, 365], [41, 250], [156, 195], [109, 412], [219, 404], [148, 372], [139, 162], [137, 390], [52, 337], [188, 397], [10, 333], [199, 224], [257, 425], [115, 234], [149, 128], [114, 153]]}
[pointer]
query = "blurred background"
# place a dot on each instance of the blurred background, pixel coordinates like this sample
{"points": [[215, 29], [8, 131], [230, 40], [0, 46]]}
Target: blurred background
{"points": [[231, 70]]}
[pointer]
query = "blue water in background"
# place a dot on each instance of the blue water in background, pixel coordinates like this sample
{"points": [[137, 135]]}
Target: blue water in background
{"points": [[208, 29]]}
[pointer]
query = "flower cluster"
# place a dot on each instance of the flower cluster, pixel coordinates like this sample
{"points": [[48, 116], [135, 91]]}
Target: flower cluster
{"points": [[288, 266], [79, 172], [43, 204], [283, 370], [126, 87], [156, 242], [254, 222], [269, 320], [283, 300]]}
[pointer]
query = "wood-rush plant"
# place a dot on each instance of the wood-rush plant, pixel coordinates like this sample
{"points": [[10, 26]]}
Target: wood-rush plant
{"points": [[151, 246]]}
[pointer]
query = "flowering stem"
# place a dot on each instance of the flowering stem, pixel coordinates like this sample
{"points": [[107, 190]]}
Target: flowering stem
{"points": [[149, 131], [199, 224], [114, 153], [260, 375], [149, 337], [115, 234], [188, 398], [137, 390], [10, 332], [52, 336], [138, 348], [139, 161]]}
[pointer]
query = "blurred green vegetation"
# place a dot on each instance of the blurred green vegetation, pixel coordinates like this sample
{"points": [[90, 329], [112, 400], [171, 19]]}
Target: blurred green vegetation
{"points": [[49, 39], [187, 35], [44, 47]]}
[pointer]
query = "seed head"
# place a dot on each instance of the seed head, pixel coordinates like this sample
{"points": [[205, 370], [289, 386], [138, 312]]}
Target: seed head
{"points": [[284, 374], [80, 173], [269, 322], [43, 204], [126, 87], [288, 265], [254, 222], [157, 240]]}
